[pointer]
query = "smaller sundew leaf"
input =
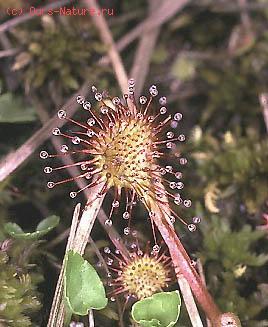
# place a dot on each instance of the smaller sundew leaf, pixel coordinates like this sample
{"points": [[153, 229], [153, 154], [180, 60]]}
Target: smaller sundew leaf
{"points": [[48, 224], [13, 229], [159, 310], [83, 289], [44, 227], [14, 110]]}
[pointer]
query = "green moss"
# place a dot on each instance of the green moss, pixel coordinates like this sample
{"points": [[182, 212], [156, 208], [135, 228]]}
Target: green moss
{"points": [[19, 297], [230, 259], [235, 164], [58, 55]]}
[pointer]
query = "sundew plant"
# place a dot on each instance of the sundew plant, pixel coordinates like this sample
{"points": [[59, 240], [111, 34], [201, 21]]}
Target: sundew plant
{"points": [[122, 145], [119, 146]]}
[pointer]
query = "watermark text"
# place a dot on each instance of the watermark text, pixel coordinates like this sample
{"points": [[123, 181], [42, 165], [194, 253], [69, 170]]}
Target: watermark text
{"points": [[62, 11]]}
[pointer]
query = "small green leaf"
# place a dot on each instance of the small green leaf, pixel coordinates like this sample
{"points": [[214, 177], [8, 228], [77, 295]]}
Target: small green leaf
{"points": [[42, 229], [159, 310], [13, 110], [83, 289]]}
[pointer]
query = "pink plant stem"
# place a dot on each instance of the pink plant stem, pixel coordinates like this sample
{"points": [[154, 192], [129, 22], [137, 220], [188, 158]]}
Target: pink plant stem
{"points": [[182, 265]]}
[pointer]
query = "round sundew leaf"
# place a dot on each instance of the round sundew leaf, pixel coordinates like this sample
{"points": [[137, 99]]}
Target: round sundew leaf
{"points": [[83, 289], [48, 224], [159, 310], [13, 110], [42, 229]]}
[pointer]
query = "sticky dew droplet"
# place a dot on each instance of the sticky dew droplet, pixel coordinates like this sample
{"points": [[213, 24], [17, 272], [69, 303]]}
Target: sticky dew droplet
{"points": [[115, 204], [126, 231], [143, 99], [107, 250], [126, 215], [50, 184], [87, 105], [62, 114], [108, 222], [80, 99], [187, 203], [48, 170], [163, 110], [76, 140], [153, 90], [64, 148], [91, 122], [191, 227], [178, 116], [56, 131], [156, 248], [73, 195], [116, 100], [98, 96], [43, 155], [170, 135]]}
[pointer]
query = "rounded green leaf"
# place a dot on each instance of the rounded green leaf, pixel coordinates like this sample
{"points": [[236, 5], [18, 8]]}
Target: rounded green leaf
{"points": [[83, 289], [13, 110], [159, 310], [42, 228]]}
